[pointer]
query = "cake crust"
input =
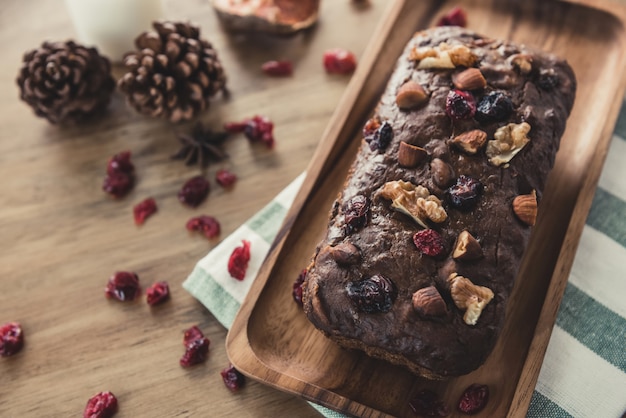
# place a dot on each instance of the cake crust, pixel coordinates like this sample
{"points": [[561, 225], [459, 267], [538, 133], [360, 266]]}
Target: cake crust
{"points": [[371, 284]]}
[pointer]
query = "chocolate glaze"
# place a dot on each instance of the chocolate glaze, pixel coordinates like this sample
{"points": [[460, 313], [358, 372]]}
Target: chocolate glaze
{"points": [[443, 346]]}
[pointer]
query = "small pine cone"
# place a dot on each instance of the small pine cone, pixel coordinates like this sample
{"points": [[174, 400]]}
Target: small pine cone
{"points": [[65, 82], [173, 74]]}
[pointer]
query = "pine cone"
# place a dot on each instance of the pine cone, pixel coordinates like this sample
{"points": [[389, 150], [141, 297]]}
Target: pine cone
{"points": [[174, 73], [65, 81]]}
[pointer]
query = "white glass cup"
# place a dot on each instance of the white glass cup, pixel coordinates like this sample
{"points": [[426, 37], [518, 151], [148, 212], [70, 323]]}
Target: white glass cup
{"points": [[112, 25]]}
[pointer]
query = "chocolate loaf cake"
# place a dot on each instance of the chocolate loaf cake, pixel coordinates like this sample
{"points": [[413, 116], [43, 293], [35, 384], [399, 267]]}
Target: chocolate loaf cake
{"points": [[426, 238]]}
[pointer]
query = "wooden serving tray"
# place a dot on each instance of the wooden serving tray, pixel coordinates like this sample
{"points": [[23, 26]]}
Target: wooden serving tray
{"points": [[272, 341]]}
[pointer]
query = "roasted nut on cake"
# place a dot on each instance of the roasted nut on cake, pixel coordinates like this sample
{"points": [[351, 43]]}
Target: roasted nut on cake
{"points": [[525, 207], [523, 62], [508, 141], [411, 95], [470, 79], [345, 254], [466, 295], [428, 301], [471, 141], [467, 247], [414, 201], [410, 156]]}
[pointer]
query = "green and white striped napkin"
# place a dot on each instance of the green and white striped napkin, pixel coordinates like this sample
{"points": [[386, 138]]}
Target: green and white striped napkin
{"points": [[584, 371]]}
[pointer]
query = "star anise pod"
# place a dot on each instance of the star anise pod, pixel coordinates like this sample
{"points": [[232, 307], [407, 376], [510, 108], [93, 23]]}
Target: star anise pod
{"points": [[201, 146]]}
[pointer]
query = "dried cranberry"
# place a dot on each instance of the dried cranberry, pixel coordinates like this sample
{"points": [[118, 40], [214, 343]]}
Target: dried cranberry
{"points": [[158, 293], [460, 105], [474, 399], [123, 286], [118, 184], [11, 339], [208, 225], [101, 405], [277, 68], [548, 79], [464, 193], [355, 212], [370, 127], [225, 178], [494, 107], [143, 210], [194, 191], [427, 403], [256, 129], [429, 242], [381, 137], [455, 17], [196, 347], [120, 163], [238, 261], [232, 378], [297, 287], [339, 61], [375, 294]]}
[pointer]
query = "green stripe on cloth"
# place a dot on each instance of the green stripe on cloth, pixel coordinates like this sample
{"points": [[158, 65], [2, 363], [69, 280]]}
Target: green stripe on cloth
{"points": [[542, 407], [267, 222], [595, 326], [620, 127], [608, 215], [212, 295]]}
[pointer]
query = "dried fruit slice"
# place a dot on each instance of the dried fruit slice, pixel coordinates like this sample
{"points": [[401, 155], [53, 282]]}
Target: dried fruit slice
{"points": [[123, 286], [194, 191], [238, 261], [158, 293], [208, 225], [196, 347], [225, 178], [143, 210], [273, 16]]}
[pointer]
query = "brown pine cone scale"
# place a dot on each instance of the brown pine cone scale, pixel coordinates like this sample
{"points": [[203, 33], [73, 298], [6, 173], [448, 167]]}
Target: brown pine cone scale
{"points": [[173, 74]]}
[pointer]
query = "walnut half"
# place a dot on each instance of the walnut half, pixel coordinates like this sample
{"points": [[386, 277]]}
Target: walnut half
{"points": [[508, 141], [466, 295], [414, 201]]}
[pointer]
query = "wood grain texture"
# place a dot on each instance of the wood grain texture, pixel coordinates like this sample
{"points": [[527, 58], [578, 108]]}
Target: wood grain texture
{"points": [[62, 237], [273, 341]]}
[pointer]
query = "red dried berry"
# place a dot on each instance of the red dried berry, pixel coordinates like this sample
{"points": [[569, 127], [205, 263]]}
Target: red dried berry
{"points": [[157, 293], [194, 191], [118, 184], [232, 378], [196, 347], [464, 194], [123, 286], [238, 261], [11, 339], [143, 210], [356, 211], [256, 129], [460, 105], [427, 403], [429, 242], [372, 295], [277, 68], [370, 127], [120, 163], [208, 225], [381, 138], [455, 17], [339, 61], [297, 287], [101, 405], [225, 178], [474, 399]]}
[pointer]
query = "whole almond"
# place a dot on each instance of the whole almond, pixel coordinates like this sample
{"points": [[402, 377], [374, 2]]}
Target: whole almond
{"points": [[345, 254], [410, 155], [471, 141], [428, 302], [470, 79], [411, 95], [466, 247], [525, 208]]}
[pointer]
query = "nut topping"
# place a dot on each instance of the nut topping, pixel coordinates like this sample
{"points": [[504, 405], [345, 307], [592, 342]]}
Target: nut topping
{"points": [[345, 254], [471, 141], [443, 56], [508, 141], [410, 155], [467, 247], [442, 173], [522, 62], [411, 95], [428, 302], [414, 201], [525, 208], [466, 295], [470, 79]]}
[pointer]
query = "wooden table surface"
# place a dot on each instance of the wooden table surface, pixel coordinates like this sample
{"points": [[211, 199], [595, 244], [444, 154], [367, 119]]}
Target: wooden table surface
{"points": [[62, 236]]}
